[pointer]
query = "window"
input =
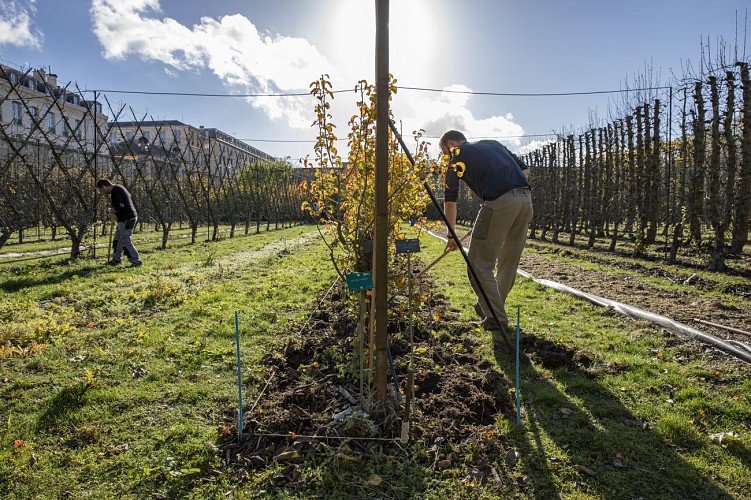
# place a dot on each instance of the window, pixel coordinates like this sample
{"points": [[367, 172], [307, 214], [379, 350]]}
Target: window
{"points": [[113, 138], [34, 113], [129, 136], [147, 135], [162, 136], [78, 130], [13, 78], [178, 134], [51, 123], [17, 113]]}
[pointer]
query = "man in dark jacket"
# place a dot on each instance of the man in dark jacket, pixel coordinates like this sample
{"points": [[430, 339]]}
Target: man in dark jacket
{"points": [[126, 215], [499, 179]]}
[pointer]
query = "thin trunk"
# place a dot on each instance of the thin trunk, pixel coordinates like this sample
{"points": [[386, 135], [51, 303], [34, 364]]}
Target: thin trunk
{"points": [[742, 211]]}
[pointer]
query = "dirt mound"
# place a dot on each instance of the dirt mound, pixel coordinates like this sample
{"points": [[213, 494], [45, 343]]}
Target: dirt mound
{"points": [[312, 402]]}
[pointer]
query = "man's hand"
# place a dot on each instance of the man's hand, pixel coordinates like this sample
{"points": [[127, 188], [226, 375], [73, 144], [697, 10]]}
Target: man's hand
{"points": [[450, 244]]}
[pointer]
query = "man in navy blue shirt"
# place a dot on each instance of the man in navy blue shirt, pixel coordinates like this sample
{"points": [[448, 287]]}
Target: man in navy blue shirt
{"points": [[499, 178], [127, 217]]}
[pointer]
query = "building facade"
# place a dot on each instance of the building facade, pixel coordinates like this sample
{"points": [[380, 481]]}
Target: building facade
{"points": [[34, 107], [211, 147]]}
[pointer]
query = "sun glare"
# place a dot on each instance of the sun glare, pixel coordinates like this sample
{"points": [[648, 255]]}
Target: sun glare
{"points": [[349, 41]]}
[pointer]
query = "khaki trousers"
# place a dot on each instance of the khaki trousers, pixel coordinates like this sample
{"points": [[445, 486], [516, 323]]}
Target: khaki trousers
{"points": [[498, 238]]}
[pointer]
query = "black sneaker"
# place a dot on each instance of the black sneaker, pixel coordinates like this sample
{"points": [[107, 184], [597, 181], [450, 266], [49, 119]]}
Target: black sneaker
{"points": [[136, 264], [114, 262]]}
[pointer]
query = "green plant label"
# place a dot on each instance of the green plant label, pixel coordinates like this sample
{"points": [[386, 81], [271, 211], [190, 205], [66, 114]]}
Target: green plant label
{"points": [[359, 281]]}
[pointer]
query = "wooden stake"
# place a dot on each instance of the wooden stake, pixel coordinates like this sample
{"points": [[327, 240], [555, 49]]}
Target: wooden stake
{"points": [[728, 328], [438, 259]]}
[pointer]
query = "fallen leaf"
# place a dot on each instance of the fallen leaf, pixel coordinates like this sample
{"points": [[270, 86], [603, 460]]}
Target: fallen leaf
{"points": [[724, 437], [584, 470], [18, 443], [287, 455], [375, 480], [511, 457]]}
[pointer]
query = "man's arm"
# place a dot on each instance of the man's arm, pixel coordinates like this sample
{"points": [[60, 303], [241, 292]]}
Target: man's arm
{"points": [[449, 207]]}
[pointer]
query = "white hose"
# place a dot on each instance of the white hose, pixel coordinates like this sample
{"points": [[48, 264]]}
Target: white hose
{"points": [[737, 349]]}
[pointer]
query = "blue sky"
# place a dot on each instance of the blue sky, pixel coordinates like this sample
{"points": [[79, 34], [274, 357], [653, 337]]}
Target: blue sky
{"points": [[280, 46]]}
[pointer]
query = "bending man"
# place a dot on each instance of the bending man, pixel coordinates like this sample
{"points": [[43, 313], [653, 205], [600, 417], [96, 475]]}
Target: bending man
{"points": [[499, 179], [126, 215]]}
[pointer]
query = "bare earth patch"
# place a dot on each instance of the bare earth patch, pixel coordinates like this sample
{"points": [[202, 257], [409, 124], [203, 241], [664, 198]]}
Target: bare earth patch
{"points": [[683, 305]]}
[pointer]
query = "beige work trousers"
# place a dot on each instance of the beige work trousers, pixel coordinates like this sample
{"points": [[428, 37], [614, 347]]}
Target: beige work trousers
{"points": [[498, 238]]}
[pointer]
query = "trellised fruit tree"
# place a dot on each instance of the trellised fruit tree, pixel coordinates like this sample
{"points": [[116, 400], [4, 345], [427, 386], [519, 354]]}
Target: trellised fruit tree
{"points": [[341, 196]]}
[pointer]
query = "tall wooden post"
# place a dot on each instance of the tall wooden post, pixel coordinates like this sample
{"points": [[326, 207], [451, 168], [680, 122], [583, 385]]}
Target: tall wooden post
{"points": [[380, 247]]}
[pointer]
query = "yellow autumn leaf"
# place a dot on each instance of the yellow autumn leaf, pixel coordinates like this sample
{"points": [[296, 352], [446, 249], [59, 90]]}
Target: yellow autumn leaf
{"points": [[375, 480]]}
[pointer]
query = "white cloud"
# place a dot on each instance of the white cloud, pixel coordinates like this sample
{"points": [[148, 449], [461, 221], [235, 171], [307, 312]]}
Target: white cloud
{"points": [[438, 112], [534, 145], [247, 61], [252, 62], [16, 27]]}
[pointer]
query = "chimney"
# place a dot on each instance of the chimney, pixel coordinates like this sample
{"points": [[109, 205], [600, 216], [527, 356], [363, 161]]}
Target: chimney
{"points": [[42, 74], [52, 80]]}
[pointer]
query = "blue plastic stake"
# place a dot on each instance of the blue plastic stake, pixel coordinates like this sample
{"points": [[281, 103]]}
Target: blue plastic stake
{"points": [[518, 381], [239, 379]]}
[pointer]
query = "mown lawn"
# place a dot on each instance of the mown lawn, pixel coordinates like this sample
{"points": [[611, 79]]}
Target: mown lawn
{"points": [[115, 383]]}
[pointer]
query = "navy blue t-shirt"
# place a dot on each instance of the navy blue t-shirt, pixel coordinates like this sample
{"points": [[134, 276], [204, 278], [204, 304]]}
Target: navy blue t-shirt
{"points": [[487, 167]]}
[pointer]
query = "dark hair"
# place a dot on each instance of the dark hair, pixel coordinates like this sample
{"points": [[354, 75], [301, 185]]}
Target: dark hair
{"points": [[103, 182], [452, 135]]}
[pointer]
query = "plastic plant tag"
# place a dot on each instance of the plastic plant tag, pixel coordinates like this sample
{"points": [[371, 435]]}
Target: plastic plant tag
{"points": [[359, 281], [407, 246]]}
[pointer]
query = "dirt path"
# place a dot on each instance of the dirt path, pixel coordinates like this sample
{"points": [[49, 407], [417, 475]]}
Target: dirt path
{"points": [[683, 305]]}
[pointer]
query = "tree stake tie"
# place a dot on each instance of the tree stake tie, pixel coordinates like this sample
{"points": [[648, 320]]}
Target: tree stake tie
{"points": [[239, 380], [518, 382]]}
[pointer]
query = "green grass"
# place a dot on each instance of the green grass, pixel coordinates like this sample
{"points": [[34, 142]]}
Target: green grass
{"points": [[624, 413], [134, 369], [115, 383]]}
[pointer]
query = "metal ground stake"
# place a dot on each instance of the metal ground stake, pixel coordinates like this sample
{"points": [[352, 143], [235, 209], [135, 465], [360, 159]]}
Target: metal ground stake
{"points": [[239, 379], [518, 380]]}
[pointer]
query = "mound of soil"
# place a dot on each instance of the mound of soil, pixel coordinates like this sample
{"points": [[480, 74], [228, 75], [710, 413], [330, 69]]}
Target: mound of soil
{"points": [[312, 402]]}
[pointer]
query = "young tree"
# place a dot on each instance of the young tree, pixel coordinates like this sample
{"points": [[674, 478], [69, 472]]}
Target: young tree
{"points": [[341, 197]]}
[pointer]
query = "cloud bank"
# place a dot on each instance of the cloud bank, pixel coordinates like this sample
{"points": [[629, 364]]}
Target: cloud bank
{"points": [[249, 61], [246, 60], [16, 24], [437, 112]]}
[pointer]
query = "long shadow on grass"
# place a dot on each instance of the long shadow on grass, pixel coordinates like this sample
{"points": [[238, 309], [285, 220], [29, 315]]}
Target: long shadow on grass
{"points": [[70, 399], [14, 285], [602, 448]]}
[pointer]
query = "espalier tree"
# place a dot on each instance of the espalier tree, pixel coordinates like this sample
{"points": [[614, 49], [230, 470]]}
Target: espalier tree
{"points": [[341, 196]]}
